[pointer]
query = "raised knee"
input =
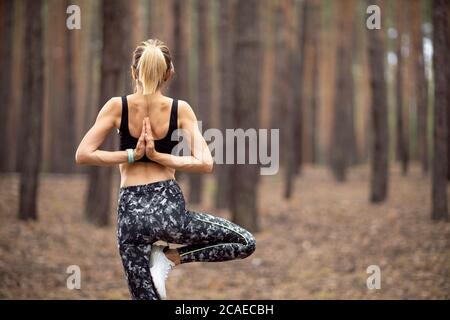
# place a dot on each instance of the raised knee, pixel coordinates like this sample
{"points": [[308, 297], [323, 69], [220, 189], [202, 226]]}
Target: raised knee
{"points": [[251, 245]]}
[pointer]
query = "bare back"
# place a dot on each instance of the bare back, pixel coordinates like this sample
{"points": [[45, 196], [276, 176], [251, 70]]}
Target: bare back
{"points": [[161, 116], [158, 110]]}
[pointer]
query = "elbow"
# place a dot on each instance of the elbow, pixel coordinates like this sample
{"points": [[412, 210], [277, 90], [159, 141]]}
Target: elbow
{"points": [[208, 164], [208, 167], [81, 158]]}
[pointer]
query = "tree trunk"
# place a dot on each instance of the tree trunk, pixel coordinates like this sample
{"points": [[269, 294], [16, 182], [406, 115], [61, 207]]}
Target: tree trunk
{"points": [[278, 101], [67, 120], [448, 103], [222, 197], [343, 115], [98, 204], [401, 126], [31, 123], [439, 210], [421, 91], [89, 81], [6, 29], [204, 89], [247, 72], [180, 52], [129, 43], [298, 76], [292, 111], [92, 82], [283, 100], [55, 130], [315, 38], [268, 65], [379, 152], [352, 145]]}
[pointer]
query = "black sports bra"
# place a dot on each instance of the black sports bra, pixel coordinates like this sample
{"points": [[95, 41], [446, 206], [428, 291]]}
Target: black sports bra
{"points": [[164, 145]]}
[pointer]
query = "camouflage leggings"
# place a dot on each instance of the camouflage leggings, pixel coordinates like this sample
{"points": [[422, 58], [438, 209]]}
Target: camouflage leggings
{"points": [[156, 211]]}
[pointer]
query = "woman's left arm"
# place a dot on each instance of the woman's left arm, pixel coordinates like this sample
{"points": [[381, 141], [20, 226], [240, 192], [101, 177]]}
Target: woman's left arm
{"points": [[87, 152]]}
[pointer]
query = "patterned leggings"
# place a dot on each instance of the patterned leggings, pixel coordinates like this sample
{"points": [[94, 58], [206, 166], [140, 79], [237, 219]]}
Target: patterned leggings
{"points": [[156, 211]]}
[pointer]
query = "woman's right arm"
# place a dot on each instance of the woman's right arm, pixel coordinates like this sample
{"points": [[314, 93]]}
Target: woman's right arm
{"points": [[200, 159], [88, 152]]}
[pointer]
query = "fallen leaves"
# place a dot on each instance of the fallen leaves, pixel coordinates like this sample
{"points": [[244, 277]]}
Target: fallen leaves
{"points": [[317, 245]]}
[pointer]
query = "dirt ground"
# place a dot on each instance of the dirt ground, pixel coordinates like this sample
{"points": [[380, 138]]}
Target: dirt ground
{"points": [[316, 246]]}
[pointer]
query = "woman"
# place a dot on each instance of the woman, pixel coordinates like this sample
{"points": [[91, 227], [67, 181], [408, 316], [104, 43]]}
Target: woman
{"points": [[151, 205]]}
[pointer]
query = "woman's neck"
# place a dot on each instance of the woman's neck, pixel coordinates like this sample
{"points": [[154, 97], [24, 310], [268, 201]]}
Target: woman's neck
{"points": [[156, 94]]}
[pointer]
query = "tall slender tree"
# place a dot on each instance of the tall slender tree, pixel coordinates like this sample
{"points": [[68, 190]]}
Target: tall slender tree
{"points": [[439, 209], [93, 62], [402, 141], [222, 197], [278, 101], [268, 65], [314, 104], [380, 138], [448, 108], [420, 82], [284, 101], [6, 30], [58, 154], [180, 51], [132, 30], [247, 62], [287, 93], [204, 88], [298, 83], [67, 111], [343, 102], [114, 19], [17, 79], [31, 113], [352, 145]]}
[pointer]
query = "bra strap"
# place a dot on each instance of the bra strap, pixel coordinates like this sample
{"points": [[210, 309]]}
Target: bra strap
{"points": [[124, 119], [173, 117]]}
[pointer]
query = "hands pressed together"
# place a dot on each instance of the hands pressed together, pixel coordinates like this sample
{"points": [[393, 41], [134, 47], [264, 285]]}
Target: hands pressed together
{"points": [[146, 143], [146, 146]]}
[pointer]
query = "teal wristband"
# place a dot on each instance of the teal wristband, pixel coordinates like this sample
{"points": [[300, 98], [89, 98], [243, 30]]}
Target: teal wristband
{"points": [[130, 156]]}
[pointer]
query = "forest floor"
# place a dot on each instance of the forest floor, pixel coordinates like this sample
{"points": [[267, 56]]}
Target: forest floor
{"points": [[318, 245]]}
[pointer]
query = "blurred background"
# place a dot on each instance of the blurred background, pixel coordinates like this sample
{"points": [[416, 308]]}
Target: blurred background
{"points": [[363, 117]]}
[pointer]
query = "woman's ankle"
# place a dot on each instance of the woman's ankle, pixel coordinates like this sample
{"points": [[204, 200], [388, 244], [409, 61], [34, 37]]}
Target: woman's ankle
{"points": [[173, 255]]}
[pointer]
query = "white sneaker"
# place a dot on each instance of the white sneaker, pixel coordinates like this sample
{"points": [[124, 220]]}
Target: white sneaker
{"points": [[159, 269]]}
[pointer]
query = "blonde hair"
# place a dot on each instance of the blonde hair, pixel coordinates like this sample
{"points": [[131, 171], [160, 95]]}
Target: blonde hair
{"points": [[151, 63]]}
